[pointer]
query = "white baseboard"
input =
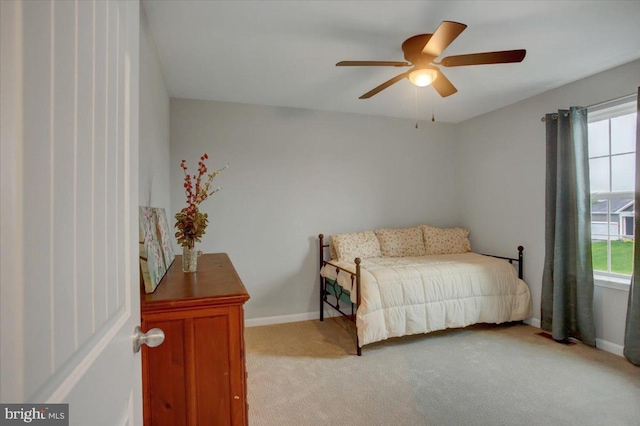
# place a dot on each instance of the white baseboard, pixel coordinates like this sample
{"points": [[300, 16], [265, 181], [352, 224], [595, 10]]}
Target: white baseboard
{"points": [[610, 347], [600, 344], [535, 322], [281, 319]]}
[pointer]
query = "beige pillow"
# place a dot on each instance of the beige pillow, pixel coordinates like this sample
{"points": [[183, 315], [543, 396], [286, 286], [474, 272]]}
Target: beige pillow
{"points": [[445, 241], [332, 248], [357, 244], [401, 242]]}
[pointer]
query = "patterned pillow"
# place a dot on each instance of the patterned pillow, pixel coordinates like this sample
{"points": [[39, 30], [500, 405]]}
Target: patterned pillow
{"points": [[401, 242], [332, 248], [445, 241], [357, 244]]}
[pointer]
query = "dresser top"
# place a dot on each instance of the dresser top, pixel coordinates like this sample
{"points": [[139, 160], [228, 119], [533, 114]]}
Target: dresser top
{"points": [[215, 283]]}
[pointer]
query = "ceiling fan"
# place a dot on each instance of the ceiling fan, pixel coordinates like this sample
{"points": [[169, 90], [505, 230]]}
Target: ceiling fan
{"points": [[420, 52]]}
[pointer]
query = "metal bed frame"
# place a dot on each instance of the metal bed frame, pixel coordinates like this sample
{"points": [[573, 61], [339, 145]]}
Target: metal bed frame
{"points": [[355, 277]]}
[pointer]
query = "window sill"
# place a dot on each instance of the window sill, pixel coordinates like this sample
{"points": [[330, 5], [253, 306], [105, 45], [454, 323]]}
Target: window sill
{"points": [[615, 283]]}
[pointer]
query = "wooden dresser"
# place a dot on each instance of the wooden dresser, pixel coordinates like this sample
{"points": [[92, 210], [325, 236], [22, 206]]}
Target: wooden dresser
{"points": [[197, 376]]}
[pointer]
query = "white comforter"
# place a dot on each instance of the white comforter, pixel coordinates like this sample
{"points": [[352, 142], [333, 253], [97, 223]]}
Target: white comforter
{"points": [[411, 295]]}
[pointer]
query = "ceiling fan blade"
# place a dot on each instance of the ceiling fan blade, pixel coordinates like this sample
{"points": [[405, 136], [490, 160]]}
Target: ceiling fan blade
{"points": [[384, 85], [443, 37], [372, 64], [504, 57], [443, 86]]}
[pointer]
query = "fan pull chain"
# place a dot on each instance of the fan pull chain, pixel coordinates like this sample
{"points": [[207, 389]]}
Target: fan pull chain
{"points": [[433, 117], [416, 105]]}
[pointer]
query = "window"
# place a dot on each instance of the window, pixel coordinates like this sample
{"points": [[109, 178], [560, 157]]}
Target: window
{"points": [[612, 146]]}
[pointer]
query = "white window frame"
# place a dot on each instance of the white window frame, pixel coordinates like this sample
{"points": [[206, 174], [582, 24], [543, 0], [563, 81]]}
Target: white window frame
{"points": [[623, 106]]}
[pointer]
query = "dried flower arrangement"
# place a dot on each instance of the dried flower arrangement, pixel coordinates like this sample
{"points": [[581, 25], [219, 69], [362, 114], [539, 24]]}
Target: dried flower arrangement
{"points": [[190, 221]]}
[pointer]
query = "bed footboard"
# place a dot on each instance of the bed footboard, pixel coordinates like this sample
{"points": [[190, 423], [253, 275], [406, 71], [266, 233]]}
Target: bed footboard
{"points": [[520, 261]]}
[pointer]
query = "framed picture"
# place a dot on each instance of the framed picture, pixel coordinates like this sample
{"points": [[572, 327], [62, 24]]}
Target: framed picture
{"points": [[152, 263], [164, 236]]}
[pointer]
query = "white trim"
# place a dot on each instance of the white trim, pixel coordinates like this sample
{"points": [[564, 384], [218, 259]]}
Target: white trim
{"points": [[281, 319], [613, 195], [620, 210], [610, 347], [535, 322], [615, 283], [612, 109], [600, 344]]}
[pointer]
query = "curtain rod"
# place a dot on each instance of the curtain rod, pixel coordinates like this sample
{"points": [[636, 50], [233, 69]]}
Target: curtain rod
{"points": [[630, 95]]}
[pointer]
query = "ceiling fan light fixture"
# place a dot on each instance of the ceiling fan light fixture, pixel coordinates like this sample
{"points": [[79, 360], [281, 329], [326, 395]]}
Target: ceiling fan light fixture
{"points": [[420, 52], [423, 77]]}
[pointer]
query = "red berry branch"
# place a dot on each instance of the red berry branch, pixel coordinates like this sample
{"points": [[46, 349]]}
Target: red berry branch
{"points": [[191, 223]]}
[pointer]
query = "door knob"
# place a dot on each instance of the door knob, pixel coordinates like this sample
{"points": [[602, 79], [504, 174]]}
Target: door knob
{"points": [[151, 338]]}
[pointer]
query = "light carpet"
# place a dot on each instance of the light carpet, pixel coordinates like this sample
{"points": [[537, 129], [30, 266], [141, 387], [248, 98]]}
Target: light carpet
{"points": [[307, 373]]}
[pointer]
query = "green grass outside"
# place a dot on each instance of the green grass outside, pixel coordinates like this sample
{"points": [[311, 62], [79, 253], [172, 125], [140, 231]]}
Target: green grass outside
{"points": [[621, 256]]}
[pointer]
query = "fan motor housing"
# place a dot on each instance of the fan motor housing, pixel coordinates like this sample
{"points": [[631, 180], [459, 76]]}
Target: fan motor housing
{"points": [[412, 48]]}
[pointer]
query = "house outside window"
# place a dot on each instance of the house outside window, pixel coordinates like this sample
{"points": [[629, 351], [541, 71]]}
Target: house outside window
{"points": [[612, 143]]}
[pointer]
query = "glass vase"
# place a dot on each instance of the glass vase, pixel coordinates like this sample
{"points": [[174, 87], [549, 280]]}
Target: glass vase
{"points": [[189, 259]]}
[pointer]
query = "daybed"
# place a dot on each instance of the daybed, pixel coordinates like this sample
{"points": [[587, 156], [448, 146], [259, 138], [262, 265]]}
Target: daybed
{"points": [[397, 282]]}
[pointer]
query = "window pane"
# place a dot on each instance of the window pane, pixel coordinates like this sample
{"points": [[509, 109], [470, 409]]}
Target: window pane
{"points": [[599, 174], [622, 256], [599, 254], [623, 134], [598, 138], [612, 219], [599, 209], [623, 172]]}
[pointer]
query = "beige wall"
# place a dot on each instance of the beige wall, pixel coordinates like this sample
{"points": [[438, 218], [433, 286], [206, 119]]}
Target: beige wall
{"points": [[154, 125], [297, 173]]}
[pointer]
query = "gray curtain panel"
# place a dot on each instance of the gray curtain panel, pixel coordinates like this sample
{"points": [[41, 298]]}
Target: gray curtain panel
{"points": [[632, 331], [567, 281]]}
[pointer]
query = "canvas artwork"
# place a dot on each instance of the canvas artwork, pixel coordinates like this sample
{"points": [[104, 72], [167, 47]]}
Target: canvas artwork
{"points": [[164, 236], [152, 263]]}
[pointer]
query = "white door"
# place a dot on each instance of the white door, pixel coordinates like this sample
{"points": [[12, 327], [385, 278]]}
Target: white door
{"points": [[70, 274]]}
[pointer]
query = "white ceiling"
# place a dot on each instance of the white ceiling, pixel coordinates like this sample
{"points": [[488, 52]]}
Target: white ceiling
{"points": [[284, 53]]}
